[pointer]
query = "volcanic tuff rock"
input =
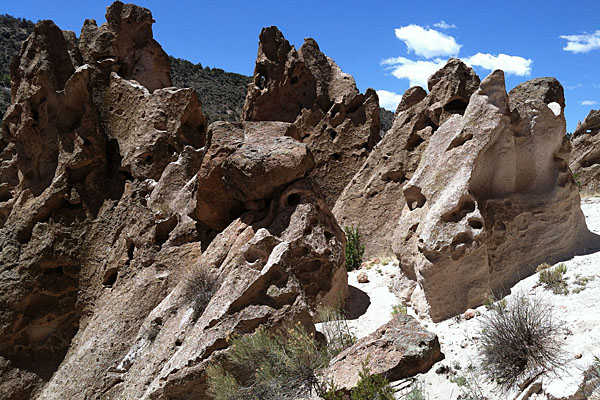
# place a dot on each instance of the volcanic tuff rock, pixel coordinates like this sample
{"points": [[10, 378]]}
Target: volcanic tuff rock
{"points": [[489, 183], [373, 200], [107, 261], [585, 162], [399, 349], [339, 125]]}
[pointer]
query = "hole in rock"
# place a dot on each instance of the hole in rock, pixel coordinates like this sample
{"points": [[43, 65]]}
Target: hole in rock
{"points": [[110, 277], [465, 206], [293, 199], [460, 238], [262, 80], [456, 106], [459, 141], [475, 223], [294, 80], [413, 141], [336, 156], [414, 197], [332, 133]]}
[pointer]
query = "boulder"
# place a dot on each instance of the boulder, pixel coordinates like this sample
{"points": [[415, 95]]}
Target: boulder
{"points": [[373, 199], [244, 166], [339, 125], [399, 349], [492, 198], [585, 157]]}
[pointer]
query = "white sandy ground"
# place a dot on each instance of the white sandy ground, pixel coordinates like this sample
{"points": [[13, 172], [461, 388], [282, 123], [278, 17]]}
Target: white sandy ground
{"points": [[578, 313]]}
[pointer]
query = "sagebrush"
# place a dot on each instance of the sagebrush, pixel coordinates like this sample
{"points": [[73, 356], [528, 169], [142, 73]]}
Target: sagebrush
{"points": [[199, 287], [520, 340]]}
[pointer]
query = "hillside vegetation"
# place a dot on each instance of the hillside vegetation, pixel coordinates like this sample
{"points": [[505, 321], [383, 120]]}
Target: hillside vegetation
{"points": [[222, 93]]}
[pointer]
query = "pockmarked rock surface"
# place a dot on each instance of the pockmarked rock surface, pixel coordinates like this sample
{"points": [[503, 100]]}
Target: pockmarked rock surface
{"points": [[114, 280], [373, 199], [585, 158], [339, 124], [399, 349], [492, 198]]}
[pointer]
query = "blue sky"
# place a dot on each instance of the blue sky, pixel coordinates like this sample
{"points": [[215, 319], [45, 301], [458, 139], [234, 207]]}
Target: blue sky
{"points": [[386, 45]]}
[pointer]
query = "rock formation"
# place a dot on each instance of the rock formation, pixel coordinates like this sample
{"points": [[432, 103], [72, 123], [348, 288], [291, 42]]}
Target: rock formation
{"points": [[585, 161], [397, 350], [307, 88], [134, 241], [373, 200], [489, 183]]}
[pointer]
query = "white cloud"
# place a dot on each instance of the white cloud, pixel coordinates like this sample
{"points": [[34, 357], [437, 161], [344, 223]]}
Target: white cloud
{"points": [[443, 25], [417, 72], [588, 103], [509, 64], [428, 43], [388, 100], [582, 43]]}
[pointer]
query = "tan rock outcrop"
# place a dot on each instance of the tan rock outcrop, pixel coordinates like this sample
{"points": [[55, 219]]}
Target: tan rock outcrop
{"points": [[585, 158], [491, 199], [339, 125], [107, 261], [397, 350], [373, 200]]}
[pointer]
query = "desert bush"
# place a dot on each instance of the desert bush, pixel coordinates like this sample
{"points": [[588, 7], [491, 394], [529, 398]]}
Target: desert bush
{"points": [[519, 341], [553, 279], [399, 309], [269, 367], [591, 386], [371, 387], [335, 329], [199, 287], [354, 248]]}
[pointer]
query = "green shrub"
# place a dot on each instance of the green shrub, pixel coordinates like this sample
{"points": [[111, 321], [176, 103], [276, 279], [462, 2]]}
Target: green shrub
{"points": [[591, 387], [553, 279], [371, 387], [354, 248], [269, 366], [399, 309], [416, 393], [336, 330], [519, 340]]}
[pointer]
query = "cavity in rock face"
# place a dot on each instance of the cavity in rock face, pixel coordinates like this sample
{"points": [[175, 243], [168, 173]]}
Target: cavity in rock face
{"points": [[585, 162], [491, 199], [304, 87], [373, 200]]}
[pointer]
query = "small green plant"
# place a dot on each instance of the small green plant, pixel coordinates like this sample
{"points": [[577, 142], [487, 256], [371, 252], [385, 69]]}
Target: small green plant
{"points": [[520, 340], [399, 309], [581, 282], [553, 279], [491, 302], [371, 387], [416, 393], [336, 330], [269, 366], [354, 248]]}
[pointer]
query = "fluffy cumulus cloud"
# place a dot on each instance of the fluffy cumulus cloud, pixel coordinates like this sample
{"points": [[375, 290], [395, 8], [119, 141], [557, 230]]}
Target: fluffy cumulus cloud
{"points": [[509, 64], [584, 102], [443, 25], [417, 72], [427, 43], [583, 43], [389, 100]]}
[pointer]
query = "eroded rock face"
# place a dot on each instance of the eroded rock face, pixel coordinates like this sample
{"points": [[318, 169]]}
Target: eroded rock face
{"points": [[585, 161], [305, 87], [102, 212], [397, 350], [373, 200], [491, 199], [124, 45]]}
